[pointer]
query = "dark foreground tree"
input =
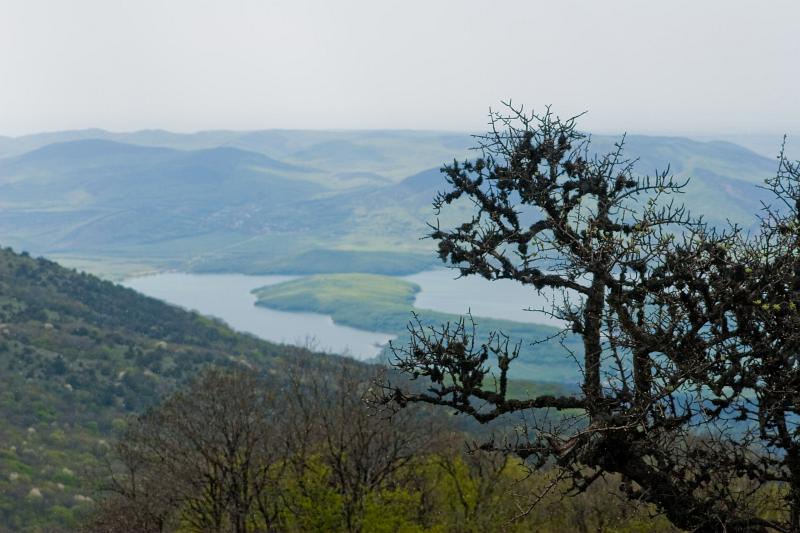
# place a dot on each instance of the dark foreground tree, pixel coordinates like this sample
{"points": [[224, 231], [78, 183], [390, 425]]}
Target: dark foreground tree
{"points": [[338, 437], [324, 462], [690, 367], [236, 452], [206, 459]]}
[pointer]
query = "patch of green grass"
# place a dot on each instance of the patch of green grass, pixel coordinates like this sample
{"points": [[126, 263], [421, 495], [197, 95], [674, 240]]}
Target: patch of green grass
{"points": [[334, 289], [385, 304], [111, 269], [522, 388]]}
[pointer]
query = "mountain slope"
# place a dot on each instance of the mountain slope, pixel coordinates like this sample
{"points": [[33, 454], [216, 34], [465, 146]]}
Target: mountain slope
{"points": [[110, 174], [95, 195], [78, 355], [391, 154]]}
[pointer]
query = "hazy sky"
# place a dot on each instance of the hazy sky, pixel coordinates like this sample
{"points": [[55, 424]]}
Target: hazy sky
{"points": [[699, 66]]}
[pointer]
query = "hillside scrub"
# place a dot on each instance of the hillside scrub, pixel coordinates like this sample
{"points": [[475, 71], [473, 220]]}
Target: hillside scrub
{"points": [[235, 451], [78, 356]]}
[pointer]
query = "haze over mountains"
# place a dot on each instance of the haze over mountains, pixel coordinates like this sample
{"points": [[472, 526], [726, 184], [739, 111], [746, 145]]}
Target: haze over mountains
{"points": [[283, 200]]}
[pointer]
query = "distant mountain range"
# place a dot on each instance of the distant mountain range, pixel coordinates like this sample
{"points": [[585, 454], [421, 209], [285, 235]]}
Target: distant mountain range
{"points": [[261, 202]]}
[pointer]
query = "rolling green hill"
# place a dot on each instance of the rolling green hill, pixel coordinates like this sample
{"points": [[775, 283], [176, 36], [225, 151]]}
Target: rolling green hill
{"points": [[280, 201], [387, 155], [106, 186]]}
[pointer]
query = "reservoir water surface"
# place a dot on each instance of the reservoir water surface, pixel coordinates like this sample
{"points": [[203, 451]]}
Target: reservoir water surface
{"points": [[228, 297]]}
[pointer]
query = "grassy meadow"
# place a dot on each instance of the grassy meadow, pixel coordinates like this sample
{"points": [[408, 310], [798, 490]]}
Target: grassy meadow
{"points": [[385, 304]]}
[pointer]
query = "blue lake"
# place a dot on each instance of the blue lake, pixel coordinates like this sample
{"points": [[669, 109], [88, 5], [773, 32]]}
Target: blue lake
{"points": [[228, 297]]}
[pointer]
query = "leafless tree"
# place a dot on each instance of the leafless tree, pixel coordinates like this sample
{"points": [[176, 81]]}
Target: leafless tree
{"points": [[205, 458], [675, 334], [363, 451], [219, 455]]}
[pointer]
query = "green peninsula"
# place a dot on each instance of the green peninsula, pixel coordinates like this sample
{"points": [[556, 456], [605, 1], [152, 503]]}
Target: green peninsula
{"points": [[385, 304]]}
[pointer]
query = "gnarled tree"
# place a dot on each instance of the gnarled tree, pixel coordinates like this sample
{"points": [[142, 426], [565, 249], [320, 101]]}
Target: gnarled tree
{"points": [[679, 351]]}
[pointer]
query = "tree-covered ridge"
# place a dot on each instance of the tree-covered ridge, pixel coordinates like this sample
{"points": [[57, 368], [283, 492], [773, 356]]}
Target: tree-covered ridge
{"points": [[77, 355], [385, 304]]}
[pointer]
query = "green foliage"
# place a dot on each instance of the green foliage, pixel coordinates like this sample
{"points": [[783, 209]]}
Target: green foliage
{"points": [[315, 504], [446, 492]]}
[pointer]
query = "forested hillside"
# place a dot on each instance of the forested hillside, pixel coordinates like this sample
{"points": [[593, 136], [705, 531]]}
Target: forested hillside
{"points": [[82, 359], [77, 356]]}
